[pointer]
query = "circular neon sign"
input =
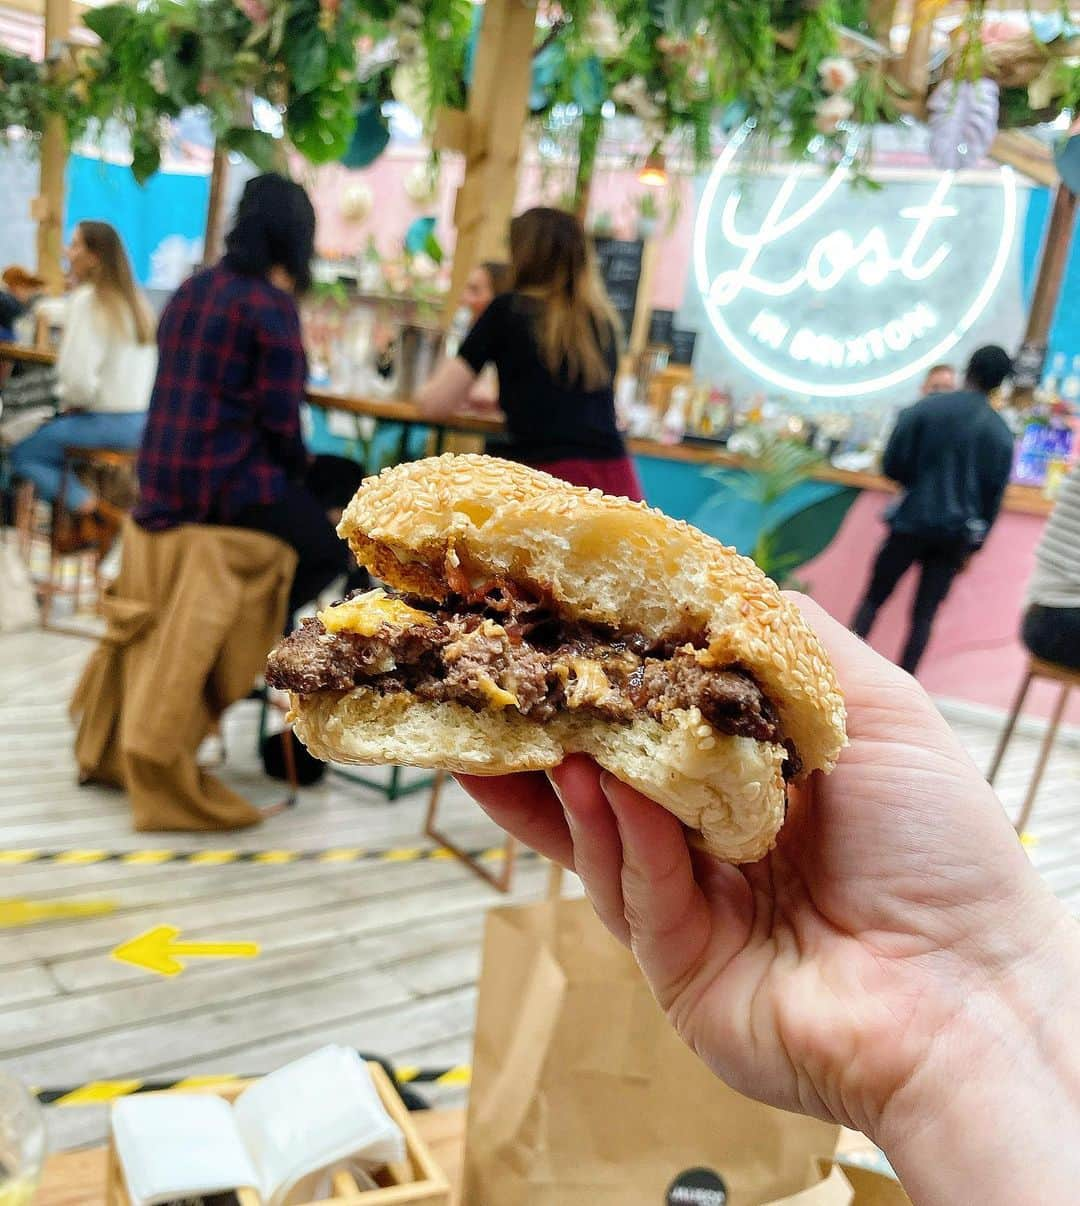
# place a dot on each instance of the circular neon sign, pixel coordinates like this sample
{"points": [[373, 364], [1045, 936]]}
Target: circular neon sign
{"points": [[826, 291]]}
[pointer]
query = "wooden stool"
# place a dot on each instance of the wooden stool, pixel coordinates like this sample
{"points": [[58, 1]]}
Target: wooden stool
{"points": [[104, 464], [1068, 678], [503, 880]]}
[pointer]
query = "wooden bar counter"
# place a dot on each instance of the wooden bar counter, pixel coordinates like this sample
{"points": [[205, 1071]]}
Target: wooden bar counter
{"points": [[1021, 500], [1024, 500]]}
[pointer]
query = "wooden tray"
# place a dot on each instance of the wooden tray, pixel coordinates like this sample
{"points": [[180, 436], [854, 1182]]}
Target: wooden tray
{"points": [[417, 1179]]}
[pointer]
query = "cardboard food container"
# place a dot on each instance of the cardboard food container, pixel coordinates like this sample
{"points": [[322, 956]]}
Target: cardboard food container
{"points": [[417, 1179]]}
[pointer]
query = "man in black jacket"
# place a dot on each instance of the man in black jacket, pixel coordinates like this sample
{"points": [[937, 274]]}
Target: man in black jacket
{"points": [[952, 453]]}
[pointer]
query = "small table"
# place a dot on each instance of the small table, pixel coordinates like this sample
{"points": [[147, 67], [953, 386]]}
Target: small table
{"points": [[78, 1178]]}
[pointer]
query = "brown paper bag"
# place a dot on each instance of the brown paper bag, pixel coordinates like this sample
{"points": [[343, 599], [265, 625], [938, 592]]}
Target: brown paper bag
{"points": [[582, 1095], [874, 1188]]}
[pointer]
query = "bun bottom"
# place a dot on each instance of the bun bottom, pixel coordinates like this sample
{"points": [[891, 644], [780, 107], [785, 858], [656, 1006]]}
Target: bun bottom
{"points": [[731, 789]]}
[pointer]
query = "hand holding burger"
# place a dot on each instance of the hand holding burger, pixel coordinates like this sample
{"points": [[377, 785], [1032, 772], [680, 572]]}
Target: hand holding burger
{"points": [[891, 961], [526, 619]]}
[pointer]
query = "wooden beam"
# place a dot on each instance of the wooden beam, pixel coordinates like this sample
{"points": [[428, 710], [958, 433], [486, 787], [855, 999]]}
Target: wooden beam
{"points": [[498, 103], [451, 131], [638, 335], [49, 207], [1026, 154], [879, 16], [1052, 265], [215, 216], [35, 8], [913, 70]]}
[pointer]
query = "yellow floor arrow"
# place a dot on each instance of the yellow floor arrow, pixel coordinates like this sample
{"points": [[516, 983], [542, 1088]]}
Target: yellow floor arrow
{"points": [[15, 912], [158, 951]]}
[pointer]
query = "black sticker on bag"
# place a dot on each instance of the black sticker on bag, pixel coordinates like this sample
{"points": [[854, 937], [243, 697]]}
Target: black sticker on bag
{"points": [[697, 1187]]}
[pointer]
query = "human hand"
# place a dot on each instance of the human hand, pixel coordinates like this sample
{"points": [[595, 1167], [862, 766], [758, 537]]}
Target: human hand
{"points": [[482, 402], [838, 975]]}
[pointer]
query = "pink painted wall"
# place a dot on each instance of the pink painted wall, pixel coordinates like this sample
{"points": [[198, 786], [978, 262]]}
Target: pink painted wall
{"points": [[975, 653], [614, 192]]}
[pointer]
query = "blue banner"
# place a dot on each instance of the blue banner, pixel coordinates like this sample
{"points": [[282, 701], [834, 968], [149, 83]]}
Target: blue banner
{"points": [[161, 223]]}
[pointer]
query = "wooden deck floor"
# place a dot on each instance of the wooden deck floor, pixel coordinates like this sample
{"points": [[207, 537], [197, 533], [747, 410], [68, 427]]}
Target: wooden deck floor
{"points": [[381, 956]]}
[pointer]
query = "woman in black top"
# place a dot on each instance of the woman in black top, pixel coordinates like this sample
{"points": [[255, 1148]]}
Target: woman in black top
{"points": [[553, 340]]}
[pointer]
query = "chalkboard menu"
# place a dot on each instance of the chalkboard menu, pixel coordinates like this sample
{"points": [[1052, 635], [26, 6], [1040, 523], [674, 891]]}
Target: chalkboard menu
{"points": [[619, 261], [682, 346], [661, 323]]}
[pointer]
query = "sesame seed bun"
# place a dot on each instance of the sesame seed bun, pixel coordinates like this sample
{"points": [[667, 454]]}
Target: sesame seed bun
{"points": [[432, 525], [602, 559]]}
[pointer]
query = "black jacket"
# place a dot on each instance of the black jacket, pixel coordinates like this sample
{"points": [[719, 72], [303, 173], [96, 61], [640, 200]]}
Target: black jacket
{"points": [[952, 454]]}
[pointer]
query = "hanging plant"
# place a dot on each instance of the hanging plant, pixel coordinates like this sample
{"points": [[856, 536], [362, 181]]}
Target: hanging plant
{"points": [[23, 95], [157, 59], [963, 122]]}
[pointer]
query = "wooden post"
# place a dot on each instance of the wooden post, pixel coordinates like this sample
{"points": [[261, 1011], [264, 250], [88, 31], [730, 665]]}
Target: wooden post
{"points": [[215, 216], [48, 208], [1052, 265], [913, 71], [498, 102], [879, 16], [638, 336]]}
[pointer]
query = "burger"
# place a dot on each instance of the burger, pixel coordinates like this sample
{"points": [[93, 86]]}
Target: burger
{"points": [[522, 619]]}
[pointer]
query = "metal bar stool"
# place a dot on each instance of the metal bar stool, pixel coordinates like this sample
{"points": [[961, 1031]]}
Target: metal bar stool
{"points": [[1068, 678]]}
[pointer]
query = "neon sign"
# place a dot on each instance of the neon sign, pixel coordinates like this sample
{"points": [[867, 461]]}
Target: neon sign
{"points": [[830, 293]]}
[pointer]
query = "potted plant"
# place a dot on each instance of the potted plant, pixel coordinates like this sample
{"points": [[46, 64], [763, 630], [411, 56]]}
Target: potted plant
{"points": [[603, 225], [648, 215]]}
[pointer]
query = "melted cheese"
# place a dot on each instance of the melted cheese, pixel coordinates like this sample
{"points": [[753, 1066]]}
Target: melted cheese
{"points": [[496, 696], [590, 683], [367, 613]]}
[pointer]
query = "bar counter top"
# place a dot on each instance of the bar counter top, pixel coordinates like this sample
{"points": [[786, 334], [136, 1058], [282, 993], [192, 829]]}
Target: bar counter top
{"points": [[1022, 500]]}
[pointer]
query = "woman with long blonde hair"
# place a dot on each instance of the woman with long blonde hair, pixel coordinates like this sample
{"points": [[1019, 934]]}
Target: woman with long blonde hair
{"points": [[554, 341], [105, 371]]}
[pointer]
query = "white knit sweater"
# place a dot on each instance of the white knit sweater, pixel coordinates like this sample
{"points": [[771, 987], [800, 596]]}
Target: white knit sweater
{"points": [[100, 368], [1056, 580]]}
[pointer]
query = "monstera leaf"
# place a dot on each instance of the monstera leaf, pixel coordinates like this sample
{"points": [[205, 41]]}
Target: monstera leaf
{"points": [[963, 122], [369, 138]]}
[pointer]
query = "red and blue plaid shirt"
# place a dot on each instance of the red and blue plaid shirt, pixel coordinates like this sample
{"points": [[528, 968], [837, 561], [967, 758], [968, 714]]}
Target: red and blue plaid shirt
{"points": [[223, 431]]}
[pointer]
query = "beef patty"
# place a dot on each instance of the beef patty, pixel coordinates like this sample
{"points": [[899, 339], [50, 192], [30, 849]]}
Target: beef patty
{"points": [[501, 651]]}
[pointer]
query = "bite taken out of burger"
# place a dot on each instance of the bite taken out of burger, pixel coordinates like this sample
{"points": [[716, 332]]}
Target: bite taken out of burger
{"points": [[521, 619]]}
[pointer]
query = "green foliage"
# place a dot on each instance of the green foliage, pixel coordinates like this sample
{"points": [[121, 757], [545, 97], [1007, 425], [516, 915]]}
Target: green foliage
{"points": [[648, 206], [778, 467], [22, 94], [332, 292], [675, 64], [166, 55]]}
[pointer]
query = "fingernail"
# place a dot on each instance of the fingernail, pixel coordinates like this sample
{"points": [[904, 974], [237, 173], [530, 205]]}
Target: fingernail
{"points": [[607, 782]]}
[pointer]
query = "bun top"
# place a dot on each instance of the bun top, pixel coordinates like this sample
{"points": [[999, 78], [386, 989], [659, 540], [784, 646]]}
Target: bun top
{"points": [[425, 525]]}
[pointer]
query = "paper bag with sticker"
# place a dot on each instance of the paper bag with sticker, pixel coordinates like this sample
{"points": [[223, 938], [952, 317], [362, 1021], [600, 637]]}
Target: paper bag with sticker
{"points": [[582, 1095]]}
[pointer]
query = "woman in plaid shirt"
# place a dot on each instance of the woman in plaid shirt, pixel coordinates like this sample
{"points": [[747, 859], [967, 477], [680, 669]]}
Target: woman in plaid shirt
{"points": [[222, 442]]}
